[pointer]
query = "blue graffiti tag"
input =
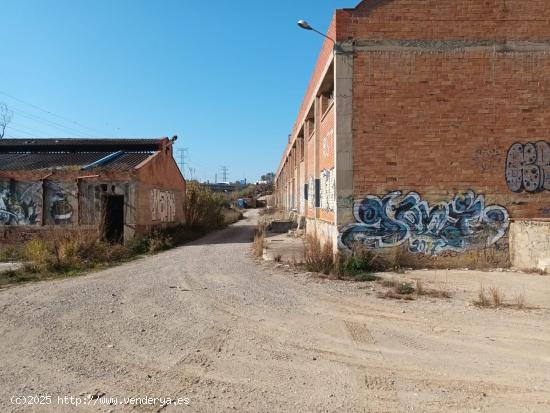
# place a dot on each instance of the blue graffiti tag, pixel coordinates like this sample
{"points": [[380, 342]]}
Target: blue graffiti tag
{"points": [[462, 223]]}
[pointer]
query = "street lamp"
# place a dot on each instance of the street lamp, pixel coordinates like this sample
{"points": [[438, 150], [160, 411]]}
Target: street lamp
{"points": [[305, 25]]}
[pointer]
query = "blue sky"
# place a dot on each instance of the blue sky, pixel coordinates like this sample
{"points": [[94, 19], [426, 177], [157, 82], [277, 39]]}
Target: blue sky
{"points": [[227, 77]]}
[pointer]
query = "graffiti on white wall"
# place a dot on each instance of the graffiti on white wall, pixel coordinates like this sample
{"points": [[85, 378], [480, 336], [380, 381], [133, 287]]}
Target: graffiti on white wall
{"points": [[163, 206], [528, 167], [462, 223], [327, 184], [311, 192], [20, 203]]}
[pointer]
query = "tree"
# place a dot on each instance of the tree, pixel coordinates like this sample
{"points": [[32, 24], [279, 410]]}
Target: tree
{"points": [[6, 116]]}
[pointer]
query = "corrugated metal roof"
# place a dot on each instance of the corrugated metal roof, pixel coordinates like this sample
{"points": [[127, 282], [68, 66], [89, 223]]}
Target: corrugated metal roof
{"points": [[127, 161], [59, 160], [79, 145]]}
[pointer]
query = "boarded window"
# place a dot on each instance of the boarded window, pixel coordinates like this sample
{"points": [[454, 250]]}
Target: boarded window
{"points": [[317, 193]]}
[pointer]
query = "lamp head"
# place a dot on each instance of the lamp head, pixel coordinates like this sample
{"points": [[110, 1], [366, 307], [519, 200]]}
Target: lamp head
{"points": [[304, 25]]}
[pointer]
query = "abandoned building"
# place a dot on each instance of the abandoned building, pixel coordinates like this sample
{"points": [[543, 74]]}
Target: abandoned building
{"points": [[426, 127], [119, 187]]}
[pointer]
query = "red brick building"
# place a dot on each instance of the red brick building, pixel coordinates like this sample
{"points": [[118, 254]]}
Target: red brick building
{"points": [[427, 125], [117, 186]]}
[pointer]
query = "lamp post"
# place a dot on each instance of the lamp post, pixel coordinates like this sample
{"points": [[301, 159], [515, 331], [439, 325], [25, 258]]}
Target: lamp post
{"points": [[305, 25]]}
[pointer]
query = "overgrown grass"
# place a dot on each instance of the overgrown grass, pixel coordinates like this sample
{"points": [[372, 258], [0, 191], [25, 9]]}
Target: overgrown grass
{"points": [[259, 240], [230, 216], [65, 252], [493, 297], [360, 265], [203, 209], [397, 289], [407, 290], [431, 292], [9, 253], [318, 256]]}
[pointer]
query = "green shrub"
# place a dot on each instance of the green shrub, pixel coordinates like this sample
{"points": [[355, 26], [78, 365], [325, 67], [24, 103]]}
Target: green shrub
{"points": [[159, 241], [37, 253], [404, 288], [360, 261], [11, 253], [137, 245], [69, 251], [202, 209]]}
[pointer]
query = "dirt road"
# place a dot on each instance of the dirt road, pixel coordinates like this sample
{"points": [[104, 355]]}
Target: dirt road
{"points": [[207, 323]]}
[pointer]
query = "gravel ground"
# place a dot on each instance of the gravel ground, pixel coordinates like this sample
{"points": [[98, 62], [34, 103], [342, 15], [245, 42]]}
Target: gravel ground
{"points": [[207, 323]]}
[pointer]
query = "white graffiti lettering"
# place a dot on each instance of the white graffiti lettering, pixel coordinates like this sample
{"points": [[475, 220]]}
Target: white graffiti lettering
{"points": [[163, 206], [327, 189]]}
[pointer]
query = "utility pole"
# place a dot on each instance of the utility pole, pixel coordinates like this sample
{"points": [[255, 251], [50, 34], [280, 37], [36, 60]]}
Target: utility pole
{"points": [[224, 170], [181, 153]]}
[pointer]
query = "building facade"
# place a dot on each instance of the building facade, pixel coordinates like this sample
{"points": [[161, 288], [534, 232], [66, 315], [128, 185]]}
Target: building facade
{"points": [[119, 187], [426, 126]]}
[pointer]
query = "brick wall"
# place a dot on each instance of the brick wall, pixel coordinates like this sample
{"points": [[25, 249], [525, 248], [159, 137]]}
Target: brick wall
{"points": [[437, 108], [310, 174], [160, 192], [440, 123], [325, 151], [445, 19], [36, 202]]}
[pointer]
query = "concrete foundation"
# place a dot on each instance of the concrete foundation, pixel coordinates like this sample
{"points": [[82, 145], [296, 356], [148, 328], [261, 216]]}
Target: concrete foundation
{"points": [[326, 231], [530, 245]]}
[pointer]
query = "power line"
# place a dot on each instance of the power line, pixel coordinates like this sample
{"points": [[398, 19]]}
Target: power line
{"points": [[49, 123], [25, 133], [50, 112], [37, 131]]}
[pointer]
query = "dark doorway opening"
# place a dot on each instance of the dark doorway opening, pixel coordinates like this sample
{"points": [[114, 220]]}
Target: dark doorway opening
{"points": [[113, 221]]}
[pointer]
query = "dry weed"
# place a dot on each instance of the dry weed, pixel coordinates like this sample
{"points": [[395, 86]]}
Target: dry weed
{"points": [[259, 240], [494, 298], [318, 256], [431, 292]]}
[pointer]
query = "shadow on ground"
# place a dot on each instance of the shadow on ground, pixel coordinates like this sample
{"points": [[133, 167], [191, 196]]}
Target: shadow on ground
{"points": [[234, 234]]}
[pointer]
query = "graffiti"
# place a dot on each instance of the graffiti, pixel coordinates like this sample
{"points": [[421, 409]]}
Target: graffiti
{"points": [[59, 206], [487, 158], [20, 204], [463, 223], [311, 192], [528, 167], [327, 197], [163, 206], [327, 143]]}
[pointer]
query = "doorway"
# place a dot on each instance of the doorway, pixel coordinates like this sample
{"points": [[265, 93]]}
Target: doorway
{"points": [[113, 221]]}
